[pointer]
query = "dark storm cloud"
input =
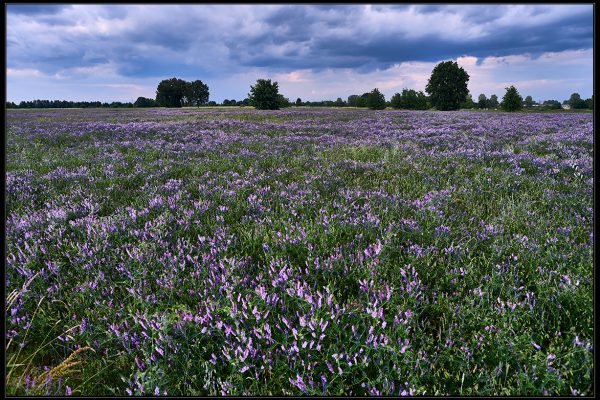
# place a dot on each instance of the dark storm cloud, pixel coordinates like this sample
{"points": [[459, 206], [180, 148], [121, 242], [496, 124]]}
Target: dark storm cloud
{"points": [[35, 9], [144, 40], [360, 48]]}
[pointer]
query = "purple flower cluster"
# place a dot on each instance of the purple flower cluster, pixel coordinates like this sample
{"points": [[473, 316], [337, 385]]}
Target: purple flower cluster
{"points": [[302, 243]]}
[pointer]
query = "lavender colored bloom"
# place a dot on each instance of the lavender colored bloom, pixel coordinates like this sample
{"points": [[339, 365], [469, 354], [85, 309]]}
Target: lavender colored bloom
{"points": [[253, 245]]}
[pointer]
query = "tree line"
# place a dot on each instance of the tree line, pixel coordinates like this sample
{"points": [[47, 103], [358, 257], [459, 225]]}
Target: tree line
{"points": [[446, 90], [67, 104]]}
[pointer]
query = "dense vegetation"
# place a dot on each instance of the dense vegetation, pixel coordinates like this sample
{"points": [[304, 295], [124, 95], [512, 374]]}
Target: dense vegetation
{"points": [[316, 251], [176, 92], [512, 100], [447, 86]]}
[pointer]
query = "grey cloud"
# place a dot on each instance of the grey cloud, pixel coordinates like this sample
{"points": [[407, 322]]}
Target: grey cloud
{"points": [[290, 37], [35, 9], [385, 49]]}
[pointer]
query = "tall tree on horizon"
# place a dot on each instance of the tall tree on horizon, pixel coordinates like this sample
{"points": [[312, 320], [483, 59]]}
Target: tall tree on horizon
{"points": [[447, 86], [171, 92], [197, 93], [376, 100], [512, 100], [264, 95]]}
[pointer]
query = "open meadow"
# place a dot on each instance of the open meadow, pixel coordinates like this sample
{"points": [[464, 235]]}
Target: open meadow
{"points": [[318, 251]]}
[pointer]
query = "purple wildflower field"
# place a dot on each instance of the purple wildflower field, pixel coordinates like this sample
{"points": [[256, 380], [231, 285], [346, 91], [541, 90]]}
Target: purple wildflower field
{"points": [[299, 251]]}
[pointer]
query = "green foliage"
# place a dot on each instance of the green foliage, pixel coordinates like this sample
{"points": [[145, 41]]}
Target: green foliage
{"points": [[512, 100], [170, 92], [70, 104], [493, 102], [528, 102], [376, 100], [447, 86], [468, 103], [264, 95], [353, 100], [283, 101], [361, 100], [493, 265], [176, 92], [576, 102], [298, 101], [409, 99], [552, 105], [144, 102], [196, 93], [482, 102]]}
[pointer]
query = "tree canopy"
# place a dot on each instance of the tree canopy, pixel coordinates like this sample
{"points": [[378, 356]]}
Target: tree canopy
{"points": [[409, 99], [170, 92], [512, 100], [482, 102], [493, 101], [176, 92], [528, 102], [144, 102], [447, 86], [264, 95], [196, 93], [376, 100], [576, 102]]}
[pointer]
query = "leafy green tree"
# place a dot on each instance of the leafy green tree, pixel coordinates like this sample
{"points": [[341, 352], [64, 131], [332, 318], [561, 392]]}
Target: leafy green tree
{"points": [[482, 102], [361, 101], [396, 101], [414, 100], [576, 102], [196, 93], [144, 102], [353, 100], [264, 95], [447, 86], [551, 105], [376, 100], [493, 102], [171, 92], [283, 101], [468, 103], [409, 99], [339, 102], [298, 101], [589, 103], [512, 100], [528, 102]]}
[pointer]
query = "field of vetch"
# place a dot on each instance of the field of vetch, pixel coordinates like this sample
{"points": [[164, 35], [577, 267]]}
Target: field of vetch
{"points": [[316, 251]]}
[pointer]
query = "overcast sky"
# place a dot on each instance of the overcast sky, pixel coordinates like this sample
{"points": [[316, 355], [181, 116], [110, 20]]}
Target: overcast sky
{"points": [[315, 52]]}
